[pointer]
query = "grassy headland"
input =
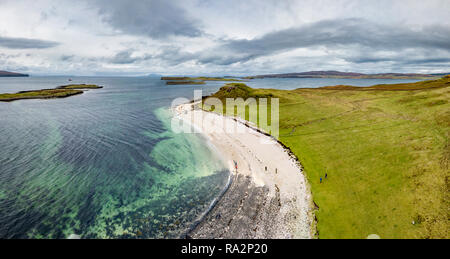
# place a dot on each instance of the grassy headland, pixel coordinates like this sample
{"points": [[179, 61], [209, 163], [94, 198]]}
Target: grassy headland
{"points": [[385, 149], [59, 92]]}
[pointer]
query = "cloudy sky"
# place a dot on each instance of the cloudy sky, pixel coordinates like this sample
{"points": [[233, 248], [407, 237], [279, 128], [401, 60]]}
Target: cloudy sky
{"points": [[223, 37]]}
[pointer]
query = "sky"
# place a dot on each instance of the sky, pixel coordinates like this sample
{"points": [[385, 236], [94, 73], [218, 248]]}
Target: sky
{"points": [[223, 37]]}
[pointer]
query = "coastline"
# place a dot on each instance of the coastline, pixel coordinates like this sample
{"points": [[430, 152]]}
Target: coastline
{"points": [[258, 202]]}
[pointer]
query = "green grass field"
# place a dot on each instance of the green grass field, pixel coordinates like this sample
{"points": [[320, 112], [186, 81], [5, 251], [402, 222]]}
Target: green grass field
{"points": [[385, 149]]}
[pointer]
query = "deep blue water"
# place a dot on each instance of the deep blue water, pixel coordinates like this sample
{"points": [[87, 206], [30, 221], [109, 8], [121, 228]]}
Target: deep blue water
{"points": [[105, 164]]}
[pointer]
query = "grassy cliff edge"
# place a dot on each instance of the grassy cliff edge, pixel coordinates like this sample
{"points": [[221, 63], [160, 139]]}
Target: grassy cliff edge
{"points": [[385, 150]]}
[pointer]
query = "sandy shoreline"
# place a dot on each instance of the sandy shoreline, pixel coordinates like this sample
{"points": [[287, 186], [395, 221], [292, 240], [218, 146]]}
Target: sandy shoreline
{"points": [[268, 196]]}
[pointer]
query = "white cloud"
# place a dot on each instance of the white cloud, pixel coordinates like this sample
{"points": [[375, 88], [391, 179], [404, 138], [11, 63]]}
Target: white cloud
{"points": [[223, 37]]}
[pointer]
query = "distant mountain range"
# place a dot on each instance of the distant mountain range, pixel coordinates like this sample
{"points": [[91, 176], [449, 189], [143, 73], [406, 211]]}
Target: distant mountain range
{"points": [[11, 74], [337, 74]]}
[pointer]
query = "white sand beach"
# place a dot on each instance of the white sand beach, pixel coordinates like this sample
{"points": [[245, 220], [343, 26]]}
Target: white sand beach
{"points": [[272, 203]]}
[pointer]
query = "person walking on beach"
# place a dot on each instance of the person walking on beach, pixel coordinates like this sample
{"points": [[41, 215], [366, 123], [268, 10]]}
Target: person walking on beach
{"points": [[320, 179]]}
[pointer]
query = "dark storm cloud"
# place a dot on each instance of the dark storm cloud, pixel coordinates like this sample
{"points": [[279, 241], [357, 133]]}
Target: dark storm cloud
{"points": [[24, 43], [368, 59], [430, 60], [333, 34], [174, 55], [67, 58], [404, 60], [126, 57], [152, 18]]}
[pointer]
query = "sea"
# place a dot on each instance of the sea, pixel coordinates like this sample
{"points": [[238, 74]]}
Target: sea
{"points": [[106, 164]]}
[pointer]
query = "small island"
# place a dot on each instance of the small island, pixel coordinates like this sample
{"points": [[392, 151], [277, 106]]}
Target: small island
{"points": [[59, 92], [194, 80], [79, 87], [185, 83]]}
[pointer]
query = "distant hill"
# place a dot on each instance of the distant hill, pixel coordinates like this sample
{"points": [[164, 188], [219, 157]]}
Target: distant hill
{"points": [[337, 74], [154, 75], [441, 74], [11, 74]]}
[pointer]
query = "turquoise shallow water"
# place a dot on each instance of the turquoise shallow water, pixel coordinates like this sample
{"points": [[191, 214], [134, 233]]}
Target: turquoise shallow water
{"points": [[105, 164]]}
